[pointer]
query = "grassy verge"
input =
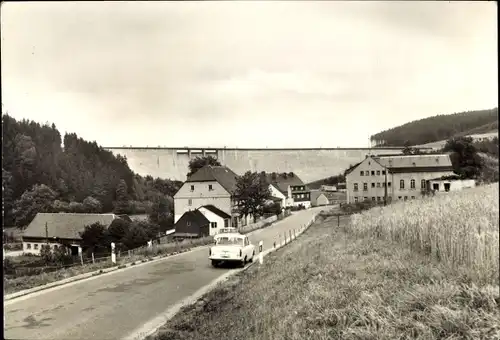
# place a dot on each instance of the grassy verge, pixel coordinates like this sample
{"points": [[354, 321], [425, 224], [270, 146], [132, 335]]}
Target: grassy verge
{"points": [[334, 283], [15, 284]]}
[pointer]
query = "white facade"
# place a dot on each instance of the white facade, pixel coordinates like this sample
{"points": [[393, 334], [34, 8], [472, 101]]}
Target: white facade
{"points": [[443, 185], [193, 195], [216, 221], [34, 247], [277, 193]]}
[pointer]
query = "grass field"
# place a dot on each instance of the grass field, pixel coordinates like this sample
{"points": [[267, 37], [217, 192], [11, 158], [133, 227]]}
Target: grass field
{"points": [[345, 283]]}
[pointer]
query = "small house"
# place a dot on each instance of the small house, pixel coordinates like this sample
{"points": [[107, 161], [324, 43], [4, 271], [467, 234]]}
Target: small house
{"points": [[318, 198], [192, 224], [218, 219]]}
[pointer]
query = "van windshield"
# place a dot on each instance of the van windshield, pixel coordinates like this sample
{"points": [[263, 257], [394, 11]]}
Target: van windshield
{"points": [[229, 240]]}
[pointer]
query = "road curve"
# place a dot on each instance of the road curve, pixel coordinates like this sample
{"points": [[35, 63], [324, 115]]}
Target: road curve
{"points": [[114, 305]]}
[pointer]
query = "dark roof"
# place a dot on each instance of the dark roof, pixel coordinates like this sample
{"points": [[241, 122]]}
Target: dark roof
{"points": [[193, 216], [65, 225], [216, 211], [282, 183], [351, 169], [221, 174]]}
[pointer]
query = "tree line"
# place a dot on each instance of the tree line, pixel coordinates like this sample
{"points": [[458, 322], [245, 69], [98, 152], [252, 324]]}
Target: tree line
{"points": [[437, 128], [44, 172]]}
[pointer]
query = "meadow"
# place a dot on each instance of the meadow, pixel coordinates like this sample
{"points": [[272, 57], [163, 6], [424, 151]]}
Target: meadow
{"points": [[413, 270]]}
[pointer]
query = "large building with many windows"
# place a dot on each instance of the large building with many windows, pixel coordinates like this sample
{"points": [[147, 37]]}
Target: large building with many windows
{"points": [[397, 177]]}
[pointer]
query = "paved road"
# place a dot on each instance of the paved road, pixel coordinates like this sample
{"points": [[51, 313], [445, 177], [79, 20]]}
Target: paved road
{"points": [[114, 305]]}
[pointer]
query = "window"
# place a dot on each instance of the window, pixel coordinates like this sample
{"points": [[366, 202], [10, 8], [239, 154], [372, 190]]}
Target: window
{"points": [[373, 185], [36, 245], [188, 223], [399, 197], [356, 199], [55, 246], [402, 184], [383, 184], [413, 197], [378, 172], [365, 186], [373, 199], [361, 173], [373, 173], [28, 245], [226, 223], [190, 202], [355, 186], [406, 198], [412, 184], [366, 198], [192, 187], [378, 185], [383, 172], [213, 224], [389, 184], [210, 187], [379, 198], [422, 184]]}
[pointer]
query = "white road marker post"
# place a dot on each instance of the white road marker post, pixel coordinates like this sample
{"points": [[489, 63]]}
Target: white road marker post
{"points": [[93, 259], [80, 252], [113, 255], [261, 258]]}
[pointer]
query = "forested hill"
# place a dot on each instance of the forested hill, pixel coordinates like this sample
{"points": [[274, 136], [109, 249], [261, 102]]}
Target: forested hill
{"points": [[40, 175], [436, 128]]}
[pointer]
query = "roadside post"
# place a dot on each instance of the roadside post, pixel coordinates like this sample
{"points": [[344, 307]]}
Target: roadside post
{"points": [[93, 259], [81, 255], [290, 233], [113, 255], [261, 258]]}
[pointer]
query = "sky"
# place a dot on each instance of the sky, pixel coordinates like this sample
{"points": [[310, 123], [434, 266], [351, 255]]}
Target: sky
{"points": [[245, 73]]}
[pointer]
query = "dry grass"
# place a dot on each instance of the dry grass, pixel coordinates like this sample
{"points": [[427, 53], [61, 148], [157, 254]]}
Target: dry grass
{"points": [[330, 284], [458, 228]]}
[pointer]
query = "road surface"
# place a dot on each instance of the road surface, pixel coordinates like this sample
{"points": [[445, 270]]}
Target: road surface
{"points": [[114, 305]]}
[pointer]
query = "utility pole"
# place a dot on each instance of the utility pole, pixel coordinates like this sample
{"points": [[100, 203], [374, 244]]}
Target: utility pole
{"points": [[46, 232]]}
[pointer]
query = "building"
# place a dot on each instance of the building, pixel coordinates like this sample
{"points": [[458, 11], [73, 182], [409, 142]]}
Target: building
{"points": [[438, 185], [284, 196], [210, 185], [318, 198], [291, 187], [192, 224], [328, 188], [60, 230], [401, 177], [218, 219]]}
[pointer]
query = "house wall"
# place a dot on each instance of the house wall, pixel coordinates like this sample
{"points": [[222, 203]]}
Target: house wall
{"points": [[214, 218], [375, 183], [321, 200], [34, 246], [200, 196], [275, 192], [455, 185]]}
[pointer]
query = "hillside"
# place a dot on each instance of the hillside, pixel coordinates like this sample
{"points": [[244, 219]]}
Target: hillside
{"points": [[437, 128], [40, 173]]}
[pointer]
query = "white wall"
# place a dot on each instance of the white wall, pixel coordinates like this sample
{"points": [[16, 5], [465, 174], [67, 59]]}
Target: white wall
{"points": [[39, 245], [276, 193], [200, 196], [213, 218], [455, 185]]}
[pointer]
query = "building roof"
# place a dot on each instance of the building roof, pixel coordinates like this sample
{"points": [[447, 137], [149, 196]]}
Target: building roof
{"points": [[64, 225], [316, 194], [283, 180], [221, 174], [216, 211], [411, 163], [193, 216]]}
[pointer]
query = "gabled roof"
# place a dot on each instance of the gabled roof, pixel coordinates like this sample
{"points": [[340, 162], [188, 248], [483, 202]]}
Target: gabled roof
{"points": [[193, 216], [221, 174], [64, 225], [282, 181], [316, 194], [216, 211]]}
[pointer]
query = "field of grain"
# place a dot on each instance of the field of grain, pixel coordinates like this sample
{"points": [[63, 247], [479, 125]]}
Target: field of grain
{"points": [[457, 228]]}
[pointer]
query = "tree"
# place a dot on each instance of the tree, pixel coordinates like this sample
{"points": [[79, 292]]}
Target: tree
{"points": [[7, 197], [122, 199], [76, 207], [95, 238], [252, 191], [135, 237], [37, 200], [162, 212], [118, 229], [92, 205], [466, 162], [60, 206], [197, 163]]}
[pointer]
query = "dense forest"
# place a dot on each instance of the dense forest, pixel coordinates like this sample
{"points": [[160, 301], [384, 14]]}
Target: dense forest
{"points": [[437, 128], [42, 172]]}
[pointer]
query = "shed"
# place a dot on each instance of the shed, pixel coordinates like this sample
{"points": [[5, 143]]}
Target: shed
{"points": [[192, 224]]}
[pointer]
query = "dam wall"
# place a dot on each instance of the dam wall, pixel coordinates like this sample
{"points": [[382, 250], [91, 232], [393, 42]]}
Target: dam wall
{"points": [[309, 164]]}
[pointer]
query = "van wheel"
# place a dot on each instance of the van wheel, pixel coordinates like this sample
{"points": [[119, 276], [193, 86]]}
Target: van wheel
{"points": [[215, 263]]}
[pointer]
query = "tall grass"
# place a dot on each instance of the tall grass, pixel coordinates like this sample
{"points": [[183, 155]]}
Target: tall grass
{"points": [[458, 228]]}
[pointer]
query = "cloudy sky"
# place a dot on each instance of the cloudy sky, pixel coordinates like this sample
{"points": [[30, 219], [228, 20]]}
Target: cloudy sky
{"points": [[245, 74]]}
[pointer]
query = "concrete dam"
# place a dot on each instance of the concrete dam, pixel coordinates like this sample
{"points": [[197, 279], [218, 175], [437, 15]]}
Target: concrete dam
{"points": [[309, 164]]}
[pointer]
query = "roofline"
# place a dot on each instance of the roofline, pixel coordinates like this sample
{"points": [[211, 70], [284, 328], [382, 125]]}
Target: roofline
{"points": [[187, 148]]}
